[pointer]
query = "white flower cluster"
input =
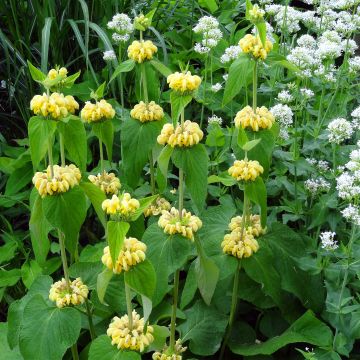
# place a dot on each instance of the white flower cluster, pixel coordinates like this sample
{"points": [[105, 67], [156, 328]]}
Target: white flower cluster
{"points": [[109, 55], [285, 97], [327, 240], [122, 26], [339, 130], [284, 116], [316, 186], [321, 165], [354, 65], [352, 214], [306, 93], [286, 17], [208, 27], [215, 120], [216, 87], [356, 118], [231, 53]]}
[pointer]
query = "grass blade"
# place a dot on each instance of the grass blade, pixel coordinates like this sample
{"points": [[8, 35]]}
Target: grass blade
{"points": [[45, 40]]}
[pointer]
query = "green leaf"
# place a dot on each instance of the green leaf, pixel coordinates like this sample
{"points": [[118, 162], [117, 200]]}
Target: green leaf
{"points": [[104, 130], [163, 163], [250, 144], [96, 196], [123, 67], [67, 212], [142, 278], [87, 271], [47, 332], [8, 251], [204, 327], [10, 277], [70, 80], [210, 4], [138, 139], [36, 74], [276, 59], [249, 6], [261, 27], [161, 333], [99, 92], [101, 349], [102, 283], [18, 179], [178, 104], [116, 231], [40, 131], [45, 41], [194, 162], [160, 67], [238, 74], [256, 191], [224, 179], [242, 138], [74, 135], [6, 352], [144, 204], [190, 287], [307, 329], [30, 270]]}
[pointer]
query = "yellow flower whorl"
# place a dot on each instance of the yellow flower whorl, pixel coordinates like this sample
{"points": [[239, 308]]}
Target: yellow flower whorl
{"points": [[65, 294], [99, 111], [253, 227], [156, 207], [261, 119], [124, 206], [64, 178], [107, 182], [140, 51], [251, 44], [132, 253], [187, 226], [53, 73], [130, 339], [183, 82], [246, 170], [187, 135], [147, 112], [167, 355], [256, 13], [239, 245], [56, 106]]}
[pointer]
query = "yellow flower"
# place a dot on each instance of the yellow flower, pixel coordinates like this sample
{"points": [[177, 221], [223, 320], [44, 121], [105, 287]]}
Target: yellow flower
{"points": [[262, 119], [143, 21], [157, 206], [256, 13], [246, 170], [63, 71], [147, 112], [183, 81], [142, 50], [124, 206], [183, 136], [65, 294], [53, 73], [107, 182], [64, 179], [56, 105], [253, 226], [187, 226], [251, 44], [99, 111], [126, 338], [167, 354], [132, 253], [239, 244]]}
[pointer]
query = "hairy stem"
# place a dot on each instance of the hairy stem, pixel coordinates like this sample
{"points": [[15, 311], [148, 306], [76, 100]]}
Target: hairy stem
{"points": [[181, 177], [62, 149], [121, 83], [144, 81], [101, 156], [89, 316], [204, 93], [51, 163], [63, 257], [174, 308], [152, 173], [128, 304], [255, 78], [74, 352]]}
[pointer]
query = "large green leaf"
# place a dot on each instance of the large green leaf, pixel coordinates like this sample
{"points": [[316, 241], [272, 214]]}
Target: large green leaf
{"points": [[36, 74], [9, 277], [178, 104], [204, 327], [40, 131], [67, 212], [256, 191], [6, 352], [238, 73], [125, 66], [104, 130], [307, 329], [116, 231], [47, 331], [160, 67], [163, 163], [18, 179], [101, 349], [194, 161], [144, 204], [74, 135], [138, 139], [103, 281]]}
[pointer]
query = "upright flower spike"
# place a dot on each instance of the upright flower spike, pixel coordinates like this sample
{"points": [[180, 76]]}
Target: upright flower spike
{"points": [[128, 335], [122, 26], [239, 244], [262, 118], [147, 112], [106, 182], [140, 51], [183, 82], [123, 206], [246, 170], [99, 111], [252, 45]]}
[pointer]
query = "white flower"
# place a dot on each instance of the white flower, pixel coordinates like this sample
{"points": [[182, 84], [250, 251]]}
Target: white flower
{"points": [[352, 214], [215, 120], [283, 114], [216, 87], [312, 161], [208, 26], [199, 48], [109, 55], [339, 130], [323, 165], [316, 186], [354, 65], [306, 41], [327, 240], [347, 187], [307, 93], [225, 76], [117, 38], [231, 53], [284, 134], [121, 23], [285, 97], [205, 24]]}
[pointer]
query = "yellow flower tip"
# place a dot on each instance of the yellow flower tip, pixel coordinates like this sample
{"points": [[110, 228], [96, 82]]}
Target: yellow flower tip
{"points": [[256, 13], [251, 44], [106, 182], [100, 111], [142, 20], [183, 82], [134, 338], [253, 225], [187, 226], [168, 354], [56, 106], [246, 170], [147, 112], [261, 119], [67, 294], [140, 51], [64, 178], [156, 207], [123, 206], [187, 135]]}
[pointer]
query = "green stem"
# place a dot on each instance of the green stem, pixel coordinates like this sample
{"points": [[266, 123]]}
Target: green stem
{"points": [[121, 84], [101, 156], [334, 156], [152, 173], [204, 93], [89, 316], [181, 177], [295, 156], [174, 308], [255, 78], [63, 257], [143, 76], [51, 163], [62, 149], [128, 304], [74, 352]]}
